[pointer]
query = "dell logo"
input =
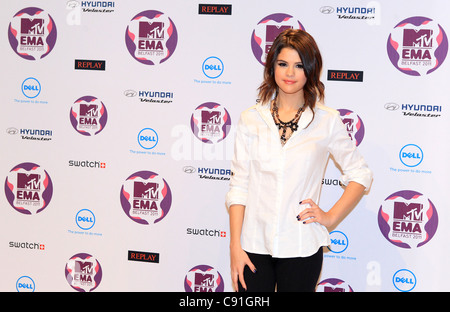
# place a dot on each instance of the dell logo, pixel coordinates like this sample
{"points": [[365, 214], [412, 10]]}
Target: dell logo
{"points": [[212, 67]]}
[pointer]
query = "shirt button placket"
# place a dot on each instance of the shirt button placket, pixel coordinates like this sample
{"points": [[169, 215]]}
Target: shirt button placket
{"points": [[280, 188]]}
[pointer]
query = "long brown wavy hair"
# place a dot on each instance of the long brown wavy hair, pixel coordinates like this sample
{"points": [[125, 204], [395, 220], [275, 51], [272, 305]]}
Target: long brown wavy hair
{"points": [[309, 53]]}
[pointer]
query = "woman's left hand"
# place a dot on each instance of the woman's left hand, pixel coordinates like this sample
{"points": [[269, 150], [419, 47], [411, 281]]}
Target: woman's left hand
{"points": [[314, 214]]}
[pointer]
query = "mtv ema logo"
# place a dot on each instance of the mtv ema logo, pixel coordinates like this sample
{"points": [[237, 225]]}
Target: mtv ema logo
{"points": [[88, 115], [333, 285], [32, 33], [354, 125], [83, 272], [210, 122], [151, 37], [145, 197], [408, 219], [417, 46], [203, 278], [267, 30], [28, 188]]}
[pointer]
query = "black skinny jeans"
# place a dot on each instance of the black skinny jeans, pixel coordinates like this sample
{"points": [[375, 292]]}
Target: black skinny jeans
{"points": [[283, 274]]}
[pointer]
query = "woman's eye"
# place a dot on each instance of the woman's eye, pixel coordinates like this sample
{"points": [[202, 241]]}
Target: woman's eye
{"points": [[281, 64], [299, 66]]}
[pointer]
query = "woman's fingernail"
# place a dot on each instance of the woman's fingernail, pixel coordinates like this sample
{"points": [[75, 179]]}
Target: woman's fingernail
{"points": [[300, 202]]}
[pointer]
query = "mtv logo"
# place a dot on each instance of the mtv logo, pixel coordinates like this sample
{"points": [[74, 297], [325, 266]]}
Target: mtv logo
{"points": [[349, 122], [28, 181], [211, 117], [89, 110], [411, 212], [421, 38], [151, 30], [145, 190], [204, 280], [333, 289], [84, 267], [272, 32], [33, 26]]}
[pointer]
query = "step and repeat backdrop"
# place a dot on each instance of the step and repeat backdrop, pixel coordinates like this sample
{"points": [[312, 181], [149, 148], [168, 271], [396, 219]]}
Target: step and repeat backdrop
{"points": [[117, 130]]}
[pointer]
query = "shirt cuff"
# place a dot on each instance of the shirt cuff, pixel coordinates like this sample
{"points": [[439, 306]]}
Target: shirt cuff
{"points": [[363, 176], [235, 197]]}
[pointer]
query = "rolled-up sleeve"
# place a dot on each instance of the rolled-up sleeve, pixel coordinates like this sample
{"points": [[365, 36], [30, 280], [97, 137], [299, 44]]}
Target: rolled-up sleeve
{"points": [[238, 191], [346, 154]]}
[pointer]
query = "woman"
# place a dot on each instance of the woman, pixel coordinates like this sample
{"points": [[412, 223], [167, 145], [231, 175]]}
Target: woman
{"points": [[282, 147]]}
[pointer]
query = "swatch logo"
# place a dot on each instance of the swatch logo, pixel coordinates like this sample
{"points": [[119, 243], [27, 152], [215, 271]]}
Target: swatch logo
{"points": [[27, 245], [345, 75], [87, 164], [206, 232], [28, 188], [408, 219], [32, 33], [143, 256], [417, 46], [90, 64]]}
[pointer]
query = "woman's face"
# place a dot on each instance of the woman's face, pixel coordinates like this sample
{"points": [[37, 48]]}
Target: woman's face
{"points": [[288, 71]]}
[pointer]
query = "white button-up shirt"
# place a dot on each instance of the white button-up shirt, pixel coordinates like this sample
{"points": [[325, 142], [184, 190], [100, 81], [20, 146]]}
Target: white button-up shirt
{"points": [[270, 179]]}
